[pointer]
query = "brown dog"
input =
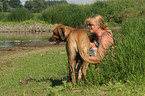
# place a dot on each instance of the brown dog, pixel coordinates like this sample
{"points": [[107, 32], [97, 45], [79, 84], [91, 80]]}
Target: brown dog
{"points": [[77, 47]]}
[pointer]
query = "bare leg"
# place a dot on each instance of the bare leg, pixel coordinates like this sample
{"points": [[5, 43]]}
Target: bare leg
{"points": [[78, 68]]}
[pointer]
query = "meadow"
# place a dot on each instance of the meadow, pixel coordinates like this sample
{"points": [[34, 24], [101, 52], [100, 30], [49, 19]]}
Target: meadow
{"points": [[121, 74]]}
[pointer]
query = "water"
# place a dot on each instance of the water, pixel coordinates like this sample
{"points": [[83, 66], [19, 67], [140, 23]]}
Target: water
{"points": [[24, 43]]}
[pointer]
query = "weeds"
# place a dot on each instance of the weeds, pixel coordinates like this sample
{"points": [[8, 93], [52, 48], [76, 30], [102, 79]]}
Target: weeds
{"points": [[20, 14]]}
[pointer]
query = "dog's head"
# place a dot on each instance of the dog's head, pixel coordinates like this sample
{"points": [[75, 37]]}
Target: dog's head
{"points": [[59, 34]]}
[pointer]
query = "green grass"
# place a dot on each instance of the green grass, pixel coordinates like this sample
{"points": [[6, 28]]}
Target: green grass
{"points": [[49, 66], [39, 66]]}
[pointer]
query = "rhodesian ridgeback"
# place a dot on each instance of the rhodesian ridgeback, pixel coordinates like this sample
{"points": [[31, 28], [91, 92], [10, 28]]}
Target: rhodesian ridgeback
{"points": [[77, 47]]}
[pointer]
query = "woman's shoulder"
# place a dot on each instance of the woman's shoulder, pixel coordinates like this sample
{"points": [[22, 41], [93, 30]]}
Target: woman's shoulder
{"points": [[109, 31], [106, 37]]}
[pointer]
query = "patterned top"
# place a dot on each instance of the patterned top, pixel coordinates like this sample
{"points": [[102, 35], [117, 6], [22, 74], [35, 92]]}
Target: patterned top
{"points": [[97, 44]]}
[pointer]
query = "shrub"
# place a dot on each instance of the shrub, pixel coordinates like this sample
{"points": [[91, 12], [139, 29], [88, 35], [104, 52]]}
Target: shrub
{"points": [[119, 10], [71, 15], [20, 14], [3, 17]]}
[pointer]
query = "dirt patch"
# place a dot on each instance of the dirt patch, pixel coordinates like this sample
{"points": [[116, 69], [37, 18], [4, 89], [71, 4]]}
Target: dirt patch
{"points": [[6, 52]]}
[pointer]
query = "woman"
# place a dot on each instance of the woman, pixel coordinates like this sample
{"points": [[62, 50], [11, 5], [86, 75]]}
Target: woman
{"points": [[101, 39]]}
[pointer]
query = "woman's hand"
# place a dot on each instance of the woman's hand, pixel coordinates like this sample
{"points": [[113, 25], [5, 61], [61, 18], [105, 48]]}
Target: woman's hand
{"points": [[93, 44]]}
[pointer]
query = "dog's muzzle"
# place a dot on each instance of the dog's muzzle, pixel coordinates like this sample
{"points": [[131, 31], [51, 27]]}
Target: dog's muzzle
{"points": [[55, 40]]}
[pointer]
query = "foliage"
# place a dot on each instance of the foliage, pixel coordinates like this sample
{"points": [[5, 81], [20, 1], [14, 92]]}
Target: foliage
{"points": [[28, 5], [6, 6], [3, 17], [37, 6], [20, 14], [96, 8], [9, 5], [56, 15], [54, 3], [1, 6], [15, 3], [112, 11]]}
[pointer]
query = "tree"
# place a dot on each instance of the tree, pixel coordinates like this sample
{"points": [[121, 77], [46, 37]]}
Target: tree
{"points": [[54, 3], [6, 6], [1, 6], [38, 6], [15, 3], [35, 6], [28, 5]]}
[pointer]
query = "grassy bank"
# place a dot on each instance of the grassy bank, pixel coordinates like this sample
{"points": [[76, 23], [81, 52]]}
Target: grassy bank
{"points": [[45, 65]]}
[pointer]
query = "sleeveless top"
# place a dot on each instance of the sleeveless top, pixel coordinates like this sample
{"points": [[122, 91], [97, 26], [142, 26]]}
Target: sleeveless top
{"points": [[97, 44], [92, 39]]}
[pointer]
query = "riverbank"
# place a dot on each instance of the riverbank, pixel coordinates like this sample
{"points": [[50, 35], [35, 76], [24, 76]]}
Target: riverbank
{"points": [[7, 52], [26, 30]]}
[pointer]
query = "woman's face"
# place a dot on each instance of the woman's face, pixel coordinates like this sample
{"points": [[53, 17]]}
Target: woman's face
{"points": [[93, 28]]}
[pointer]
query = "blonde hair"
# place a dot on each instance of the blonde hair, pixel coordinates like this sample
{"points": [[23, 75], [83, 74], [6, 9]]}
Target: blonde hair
{"points": [[98, 20]]}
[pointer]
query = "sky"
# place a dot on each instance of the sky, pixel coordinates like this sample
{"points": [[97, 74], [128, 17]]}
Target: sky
{"points": [[72, 1]]}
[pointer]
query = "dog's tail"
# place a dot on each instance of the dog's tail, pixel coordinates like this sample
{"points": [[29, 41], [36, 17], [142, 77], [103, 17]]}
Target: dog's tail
{"points": [[85, 59]]}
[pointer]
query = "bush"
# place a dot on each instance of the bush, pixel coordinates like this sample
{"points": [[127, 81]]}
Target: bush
{"points": [[70, 15], [118, 10], [3, 17], [112, 11], [20, 14]]}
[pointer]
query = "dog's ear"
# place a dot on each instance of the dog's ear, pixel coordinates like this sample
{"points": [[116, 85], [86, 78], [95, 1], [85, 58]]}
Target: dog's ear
{"points": [[61, 33]]}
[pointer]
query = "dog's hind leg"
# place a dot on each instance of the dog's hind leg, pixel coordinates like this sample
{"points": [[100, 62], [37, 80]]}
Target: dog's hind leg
{"points": [[85, 66], [72, 70], [71, 62]]}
